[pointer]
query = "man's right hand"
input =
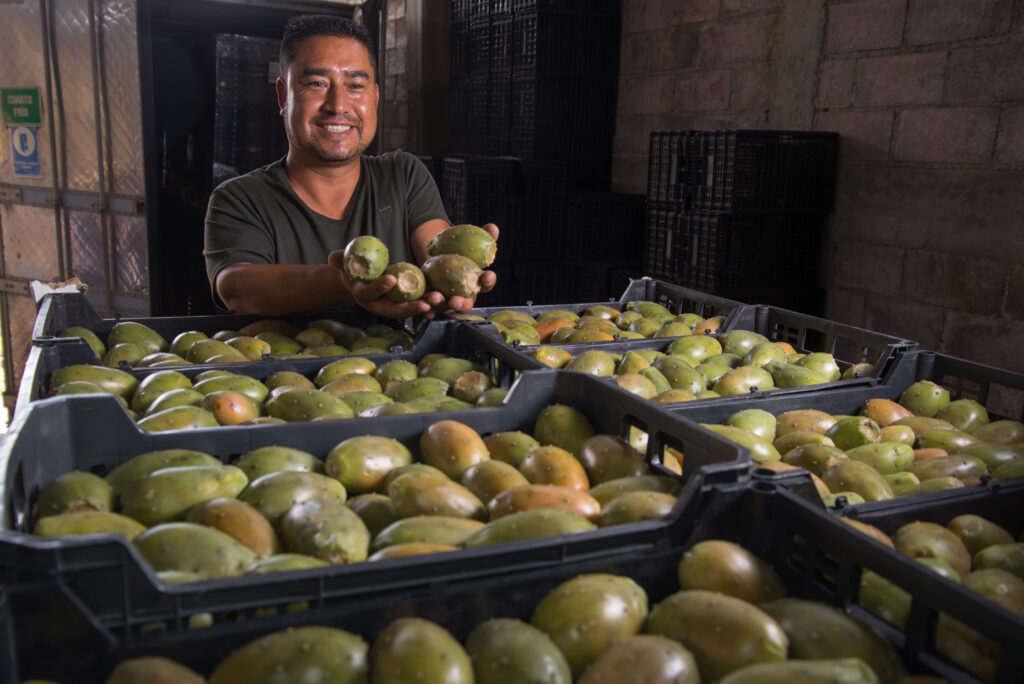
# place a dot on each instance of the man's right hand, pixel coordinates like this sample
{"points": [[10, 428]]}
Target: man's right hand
{"points": [[371, 296]]}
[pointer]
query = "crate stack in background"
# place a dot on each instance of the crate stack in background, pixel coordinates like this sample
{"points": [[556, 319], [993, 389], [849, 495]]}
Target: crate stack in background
{"points": [[741, 213], [247, 129], [604, 243], [536, 79]]}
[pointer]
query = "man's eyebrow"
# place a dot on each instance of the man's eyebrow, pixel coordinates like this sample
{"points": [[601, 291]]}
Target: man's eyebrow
{"points": [[356, 73]]}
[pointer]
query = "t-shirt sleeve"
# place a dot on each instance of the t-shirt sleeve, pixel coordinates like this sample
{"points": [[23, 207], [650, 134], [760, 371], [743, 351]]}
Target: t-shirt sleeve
{"points": [[234, 233], [424, 200]]}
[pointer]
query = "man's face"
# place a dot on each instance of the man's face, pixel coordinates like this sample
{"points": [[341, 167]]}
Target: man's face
{"points": [[329, 100]]}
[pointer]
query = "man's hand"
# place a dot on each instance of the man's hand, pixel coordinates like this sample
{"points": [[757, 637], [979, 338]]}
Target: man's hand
{"points": [[371, 296], [463, 304]]}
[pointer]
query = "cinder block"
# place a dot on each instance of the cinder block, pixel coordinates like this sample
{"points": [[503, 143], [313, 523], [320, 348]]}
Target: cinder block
{"points": [[750, 88], [1013, 307], [695, 11], [835, 84], [920, 323], [864, 25], [899, 80], [955, 282], [845, 306], [674, 48], [632, 135], [986, 74], [1005, 401], [986, 339], [659, 94], [863, 135], [1010, 144], [742, 40], [629, 100], [953, 135], [658, 14], [734, 7], [936, 21], [867, 267], [633, 58], [703, 91]]}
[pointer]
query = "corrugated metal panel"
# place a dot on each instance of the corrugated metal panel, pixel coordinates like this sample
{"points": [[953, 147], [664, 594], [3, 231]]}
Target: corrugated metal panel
{"points": [[121, 62], [87, 249], [29, 242], [130, 263], [72, 41]]}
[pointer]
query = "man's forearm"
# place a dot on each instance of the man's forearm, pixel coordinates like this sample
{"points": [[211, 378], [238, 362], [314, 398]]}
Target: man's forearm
{"points": [[280, 289]]}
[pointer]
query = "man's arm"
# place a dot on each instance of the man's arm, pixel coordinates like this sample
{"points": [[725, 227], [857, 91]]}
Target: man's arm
{"points": [[290, 289]]}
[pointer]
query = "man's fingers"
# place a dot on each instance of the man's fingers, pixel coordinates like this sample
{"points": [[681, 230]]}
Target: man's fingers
{"points": [[374, 288], [488, 280], [492, 229], [336, 258]]}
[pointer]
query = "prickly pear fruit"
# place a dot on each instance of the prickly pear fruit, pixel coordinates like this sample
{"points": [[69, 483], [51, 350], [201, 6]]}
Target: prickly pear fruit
{"points": [[411, 282], [726, 567], [469, 241], [365, 258], [327, 529], [412, 649], [587, 614], [453, 275], [298, 654], [506, 650], [195, 548], [647, 658]]}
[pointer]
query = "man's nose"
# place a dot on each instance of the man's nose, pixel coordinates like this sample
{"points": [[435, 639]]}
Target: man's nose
{"points": [[337, 100]]}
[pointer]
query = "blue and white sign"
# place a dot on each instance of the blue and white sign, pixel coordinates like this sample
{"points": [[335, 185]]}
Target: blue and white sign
{"points": [[25, 152]]}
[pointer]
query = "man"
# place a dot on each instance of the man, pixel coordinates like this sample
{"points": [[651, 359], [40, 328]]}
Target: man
{"points": [[275, 236]]}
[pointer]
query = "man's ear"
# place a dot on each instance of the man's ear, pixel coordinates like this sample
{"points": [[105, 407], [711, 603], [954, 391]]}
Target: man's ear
{"points": [[282, 92]]}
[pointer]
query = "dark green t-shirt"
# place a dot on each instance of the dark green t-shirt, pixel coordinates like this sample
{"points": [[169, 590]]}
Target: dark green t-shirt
{"points": [[258, 218]]}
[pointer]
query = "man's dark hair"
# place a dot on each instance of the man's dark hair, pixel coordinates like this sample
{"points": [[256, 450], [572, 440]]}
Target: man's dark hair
{"points": [[298, 29]]}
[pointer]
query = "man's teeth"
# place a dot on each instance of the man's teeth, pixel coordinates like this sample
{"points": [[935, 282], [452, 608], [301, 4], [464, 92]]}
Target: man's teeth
{"points": [[336, 129]]}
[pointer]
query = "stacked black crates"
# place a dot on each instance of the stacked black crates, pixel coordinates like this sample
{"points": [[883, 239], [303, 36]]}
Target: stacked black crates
{"points": [[537, 79], [741, 213], [604, 244], [247, 125]]}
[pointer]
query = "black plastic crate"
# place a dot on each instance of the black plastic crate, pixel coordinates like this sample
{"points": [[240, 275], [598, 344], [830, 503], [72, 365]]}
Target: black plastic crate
{"points": [[677, 168], [538, 280], [565, 42], [606, 225], [767, 170], [726, 251], [847, 343], [247, 131], [587, 156], [460, 10], [478, 8], [572, 103], [459, 50], [116, 602], [665, 249], [501, 45], [479, 46], [477, 187], [816, 558]]}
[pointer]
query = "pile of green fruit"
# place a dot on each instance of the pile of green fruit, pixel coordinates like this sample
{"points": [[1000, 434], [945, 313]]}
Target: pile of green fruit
{"points": [[345, 388], [969, 549], [597, 323], [729, 622], [924, 442], [370, 497], [458, 255], [701, 366], [139, 346]]}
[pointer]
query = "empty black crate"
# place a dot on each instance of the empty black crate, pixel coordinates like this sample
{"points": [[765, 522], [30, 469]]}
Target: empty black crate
{"points": [[247, 124], [566, 42], [735, 254], [587, 156], [676, 168], [605, 225], [765, 170], [477, 188], [459, 50]]}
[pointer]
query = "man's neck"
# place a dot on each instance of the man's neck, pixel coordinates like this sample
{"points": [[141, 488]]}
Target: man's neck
{"points": [[326, 189]]}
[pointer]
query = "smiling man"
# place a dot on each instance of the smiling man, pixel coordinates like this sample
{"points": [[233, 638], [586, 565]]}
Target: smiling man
{"points": [[275, 236]]}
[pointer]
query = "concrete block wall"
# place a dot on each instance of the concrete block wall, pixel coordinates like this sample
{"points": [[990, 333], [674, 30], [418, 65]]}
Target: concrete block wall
{"points": [[927, 239]]}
